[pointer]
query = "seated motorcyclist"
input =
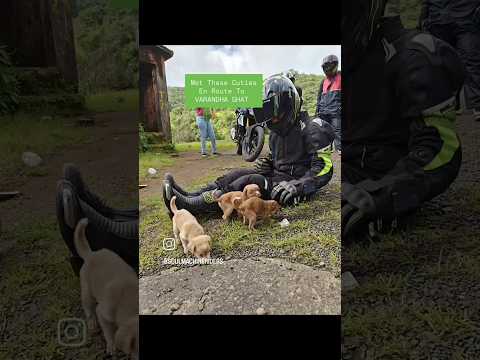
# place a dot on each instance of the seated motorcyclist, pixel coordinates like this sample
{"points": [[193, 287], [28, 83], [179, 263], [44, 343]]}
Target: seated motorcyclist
{"points": [[296, 167], [110, 228], [404, 150]]}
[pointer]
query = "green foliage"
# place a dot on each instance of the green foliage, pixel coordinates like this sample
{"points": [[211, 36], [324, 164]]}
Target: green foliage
{"points": [[143, 144], [8, 83], [106, 47], [175, 97], [184, 127], [310, 84]]}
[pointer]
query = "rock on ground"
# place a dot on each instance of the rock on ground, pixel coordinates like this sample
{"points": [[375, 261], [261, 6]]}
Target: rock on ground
{"points": [[31, 159], [251, 286]]}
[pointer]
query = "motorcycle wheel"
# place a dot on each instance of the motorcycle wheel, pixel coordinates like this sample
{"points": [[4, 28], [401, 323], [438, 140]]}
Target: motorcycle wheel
{"points": [[253, 145]]}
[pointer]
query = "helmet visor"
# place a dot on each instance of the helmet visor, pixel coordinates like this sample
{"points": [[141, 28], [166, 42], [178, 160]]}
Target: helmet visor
{"points": [[276, 107], [329, 68]]}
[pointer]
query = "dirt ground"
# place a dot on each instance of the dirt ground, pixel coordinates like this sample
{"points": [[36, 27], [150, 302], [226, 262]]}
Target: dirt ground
{"points": [[37, 284]]}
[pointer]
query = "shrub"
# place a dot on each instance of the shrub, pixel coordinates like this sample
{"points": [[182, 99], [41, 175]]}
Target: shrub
{"points": [[143, 144]]}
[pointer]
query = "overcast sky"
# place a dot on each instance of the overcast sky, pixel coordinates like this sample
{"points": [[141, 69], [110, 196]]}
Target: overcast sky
{"points": [[245, 59]]}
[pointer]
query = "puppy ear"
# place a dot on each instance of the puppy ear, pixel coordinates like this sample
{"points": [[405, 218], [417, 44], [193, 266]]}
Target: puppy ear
{"points": [[245, 191]]}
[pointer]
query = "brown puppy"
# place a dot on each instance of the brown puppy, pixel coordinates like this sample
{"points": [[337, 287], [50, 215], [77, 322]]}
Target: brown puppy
{"points": [[109, 287], [255, 208], [226, 200], [190, 232]]}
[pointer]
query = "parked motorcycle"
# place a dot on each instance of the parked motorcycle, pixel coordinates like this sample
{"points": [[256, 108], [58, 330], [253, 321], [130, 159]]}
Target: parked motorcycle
{"points": [[249, 133]]}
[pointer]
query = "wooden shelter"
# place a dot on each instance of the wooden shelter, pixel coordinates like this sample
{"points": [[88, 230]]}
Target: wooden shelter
{"points": [[153, 90]]}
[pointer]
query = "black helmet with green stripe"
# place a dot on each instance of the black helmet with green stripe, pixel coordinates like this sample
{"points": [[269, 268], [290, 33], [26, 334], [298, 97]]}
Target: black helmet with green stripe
{"points": [[281, 103]]}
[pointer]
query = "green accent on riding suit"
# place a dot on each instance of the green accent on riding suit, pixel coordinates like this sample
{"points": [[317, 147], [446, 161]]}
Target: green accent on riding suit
{"points": [[326, 155], [444, 123]]}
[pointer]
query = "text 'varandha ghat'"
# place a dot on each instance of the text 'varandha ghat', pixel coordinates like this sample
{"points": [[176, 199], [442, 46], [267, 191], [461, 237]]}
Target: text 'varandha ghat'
{"points": [[220, 99]]}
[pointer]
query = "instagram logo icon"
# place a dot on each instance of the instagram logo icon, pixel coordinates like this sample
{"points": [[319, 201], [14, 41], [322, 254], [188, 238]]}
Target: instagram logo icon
{"points": [[169, 244], [72, 332]]}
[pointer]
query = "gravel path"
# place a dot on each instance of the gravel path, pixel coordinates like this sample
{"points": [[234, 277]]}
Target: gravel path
{"points": [[253, 286]]}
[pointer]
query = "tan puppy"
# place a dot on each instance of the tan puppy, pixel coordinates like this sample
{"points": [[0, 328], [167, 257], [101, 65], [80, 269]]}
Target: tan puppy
{"points": [[109, 288], [190, 232], [226, 200], [255, 208]]}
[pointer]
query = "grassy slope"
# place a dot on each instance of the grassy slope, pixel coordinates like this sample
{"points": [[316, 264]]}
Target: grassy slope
{"points": [[113, 101]]}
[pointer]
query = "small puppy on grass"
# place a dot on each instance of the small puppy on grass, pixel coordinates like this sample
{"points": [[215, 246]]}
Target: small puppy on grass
{"points": [[255, 208], [109, 288], [190, 232], [226, 200]]}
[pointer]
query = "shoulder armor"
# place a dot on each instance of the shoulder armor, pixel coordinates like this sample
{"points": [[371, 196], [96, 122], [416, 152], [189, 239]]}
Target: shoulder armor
{"points": [[413, 40], [425, 40]]}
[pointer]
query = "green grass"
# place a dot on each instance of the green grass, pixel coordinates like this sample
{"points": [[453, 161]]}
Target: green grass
{"points": [[29, 132], [416, 286], [222, 145], [38, 289], [114, 101], [395, 333], [302, 241], [156, 160]]}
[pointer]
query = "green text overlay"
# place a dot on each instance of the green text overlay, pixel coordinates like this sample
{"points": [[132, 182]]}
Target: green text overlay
{"points": [[223, 91]]}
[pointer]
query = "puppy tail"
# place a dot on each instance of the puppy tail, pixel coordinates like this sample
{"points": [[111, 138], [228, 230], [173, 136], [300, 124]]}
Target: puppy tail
{"points": [[81, 242], [173, 206]]}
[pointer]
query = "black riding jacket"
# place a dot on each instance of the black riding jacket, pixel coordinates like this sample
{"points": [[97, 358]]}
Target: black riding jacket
{"points": [[399, 141], [297, 157]]}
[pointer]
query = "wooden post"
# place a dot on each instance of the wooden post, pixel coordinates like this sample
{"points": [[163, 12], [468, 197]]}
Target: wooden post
{"points": [[153, 88]]}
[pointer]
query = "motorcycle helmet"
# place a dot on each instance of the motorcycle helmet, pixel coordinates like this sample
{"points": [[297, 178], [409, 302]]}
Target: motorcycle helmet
{"points": [[281, 104], [330, 65], [359, 21], [291, 76]]}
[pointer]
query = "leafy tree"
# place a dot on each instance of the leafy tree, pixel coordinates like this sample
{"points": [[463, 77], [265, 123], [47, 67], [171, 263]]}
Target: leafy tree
{"points": [[106, 46]]}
